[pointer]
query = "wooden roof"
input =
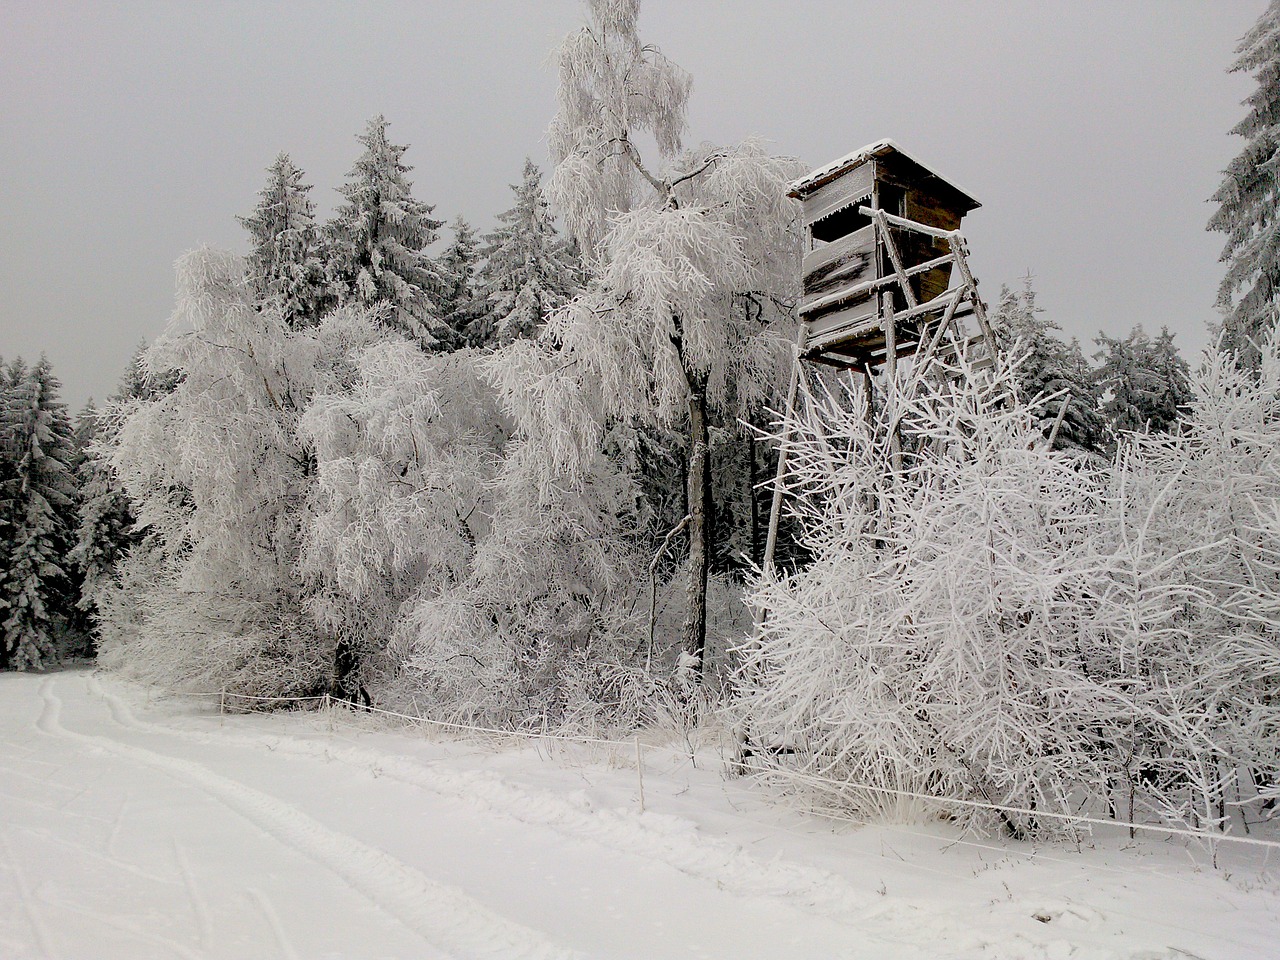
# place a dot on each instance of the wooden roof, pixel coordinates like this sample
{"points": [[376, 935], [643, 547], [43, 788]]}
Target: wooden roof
{"points": [[874, 151]]}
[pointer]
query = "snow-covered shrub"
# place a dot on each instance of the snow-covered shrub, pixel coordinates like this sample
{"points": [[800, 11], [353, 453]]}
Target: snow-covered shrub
{"points": [[549, 607], [939, 643], [1193, 607]]}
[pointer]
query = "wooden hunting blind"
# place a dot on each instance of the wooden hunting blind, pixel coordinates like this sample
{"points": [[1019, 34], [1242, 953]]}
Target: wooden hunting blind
{"points": [[881, 245], [886, 277]]}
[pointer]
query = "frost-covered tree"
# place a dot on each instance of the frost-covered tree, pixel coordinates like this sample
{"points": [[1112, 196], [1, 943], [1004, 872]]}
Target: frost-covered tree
{"points": [[404, 450], [462, 305], [546, 618], [939, 642], [378, 240], [39, 501], [1197, 647], [1143, 383], [1247, 199], [105, 529], [219, 484], [529, 269], [284, 260], [1050, 372], [694, 264]]}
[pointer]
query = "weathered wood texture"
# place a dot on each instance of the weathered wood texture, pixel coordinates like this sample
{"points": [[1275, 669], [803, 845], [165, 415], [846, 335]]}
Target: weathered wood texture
{"points": [[841, 263], [853, 188]]}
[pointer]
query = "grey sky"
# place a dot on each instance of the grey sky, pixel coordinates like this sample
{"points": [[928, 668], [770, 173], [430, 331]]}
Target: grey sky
{"points": [[1092, 132]]}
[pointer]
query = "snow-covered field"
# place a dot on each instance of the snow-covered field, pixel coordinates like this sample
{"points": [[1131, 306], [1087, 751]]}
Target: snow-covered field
{"points": [[136, 827]]}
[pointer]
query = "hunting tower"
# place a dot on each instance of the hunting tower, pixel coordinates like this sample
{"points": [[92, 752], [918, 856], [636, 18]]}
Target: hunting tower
{"points": [[880, 248], [886, 277]]}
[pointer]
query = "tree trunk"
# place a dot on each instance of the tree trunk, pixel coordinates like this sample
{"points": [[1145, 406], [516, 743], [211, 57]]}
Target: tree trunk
{"points": [[753, 495], [699, 493]]}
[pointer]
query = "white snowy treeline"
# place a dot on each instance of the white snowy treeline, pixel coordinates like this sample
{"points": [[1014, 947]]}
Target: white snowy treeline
{"points": [[1009, 624], [331, 507]]}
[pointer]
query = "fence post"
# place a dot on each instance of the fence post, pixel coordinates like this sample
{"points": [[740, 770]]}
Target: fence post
{"points": [[640, 772], [222, 704]]}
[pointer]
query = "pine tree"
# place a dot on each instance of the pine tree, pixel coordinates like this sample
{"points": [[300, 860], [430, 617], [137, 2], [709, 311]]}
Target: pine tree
{"points": [[284, 262], [1052, 372], [1143, 383], [1250, 291], [462, 308], [40, 500], [378, 241], [529, 270], [1174, 376]]}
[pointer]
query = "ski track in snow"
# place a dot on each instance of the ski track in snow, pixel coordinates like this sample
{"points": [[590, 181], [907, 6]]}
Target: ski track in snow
{"points": [[263, 903], [441, 915], [38, 928], [668, 840]]}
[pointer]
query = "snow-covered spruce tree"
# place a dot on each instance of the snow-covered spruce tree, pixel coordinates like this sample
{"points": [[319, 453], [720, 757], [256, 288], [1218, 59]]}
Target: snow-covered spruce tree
{"points": [[284, 261], [40, 501], [529, 269], [939, 643], [660, 334], [1143, 383], [377, 242], [404, 451], [462, 305], [219, 485], [1197, 643], [1050, 372], [1248, 198]]}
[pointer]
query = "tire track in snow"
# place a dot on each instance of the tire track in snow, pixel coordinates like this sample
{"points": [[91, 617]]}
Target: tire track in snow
{"points": [[667, 840], [441, 915]]}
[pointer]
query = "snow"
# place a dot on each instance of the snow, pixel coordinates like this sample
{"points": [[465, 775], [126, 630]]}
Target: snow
{"points": [[137, 827], [856, 158]]}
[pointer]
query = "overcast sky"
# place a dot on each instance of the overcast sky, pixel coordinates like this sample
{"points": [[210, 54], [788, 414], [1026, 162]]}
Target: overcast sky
{"points": [[1092, 132]]}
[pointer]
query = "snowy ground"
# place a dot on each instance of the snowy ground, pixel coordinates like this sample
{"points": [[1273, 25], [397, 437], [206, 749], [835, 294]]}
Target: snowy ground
{"points": [[133, 827]]}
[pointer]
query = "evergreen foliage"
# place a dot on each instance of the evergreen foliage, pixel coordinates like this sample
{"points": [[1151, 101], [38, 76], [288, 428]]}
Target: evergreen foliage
{"points": [[462, 306], [105, 529], [1050, 372], [1249, 295], [1144, 384], [284, 261], [39, 502], [529, 270], [378, 240]]}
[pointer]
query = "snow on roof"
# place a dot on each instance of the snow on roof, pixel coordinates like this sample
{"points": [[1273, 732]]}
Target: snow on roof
{"points": [[877, 148]]}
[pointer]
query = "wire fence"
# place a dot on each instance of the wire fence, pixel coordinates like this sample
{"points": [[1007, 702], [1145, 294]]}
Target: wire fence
{"points": [[840, 788]]}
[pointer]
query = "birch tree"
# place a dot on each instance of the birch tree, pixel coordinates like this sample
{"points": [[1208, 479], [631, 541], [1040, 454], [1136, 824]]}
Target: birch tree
{"points": [[695, 256], [218, 483]]}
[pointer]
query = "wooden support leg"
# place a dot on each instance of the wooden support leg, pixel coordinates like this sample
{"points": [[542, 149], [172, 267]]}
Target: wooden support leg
{"points": [[775, 509]]}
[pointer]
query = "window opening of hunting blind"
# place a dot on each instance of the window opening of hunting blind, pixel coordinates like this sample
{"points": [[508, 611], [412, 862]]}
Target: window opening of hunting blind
{"points": [[842, 222]]}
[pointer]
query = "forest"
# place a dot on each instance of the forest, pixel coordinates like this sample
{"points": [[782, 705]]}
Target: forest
{"points": [[522, 479]]}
